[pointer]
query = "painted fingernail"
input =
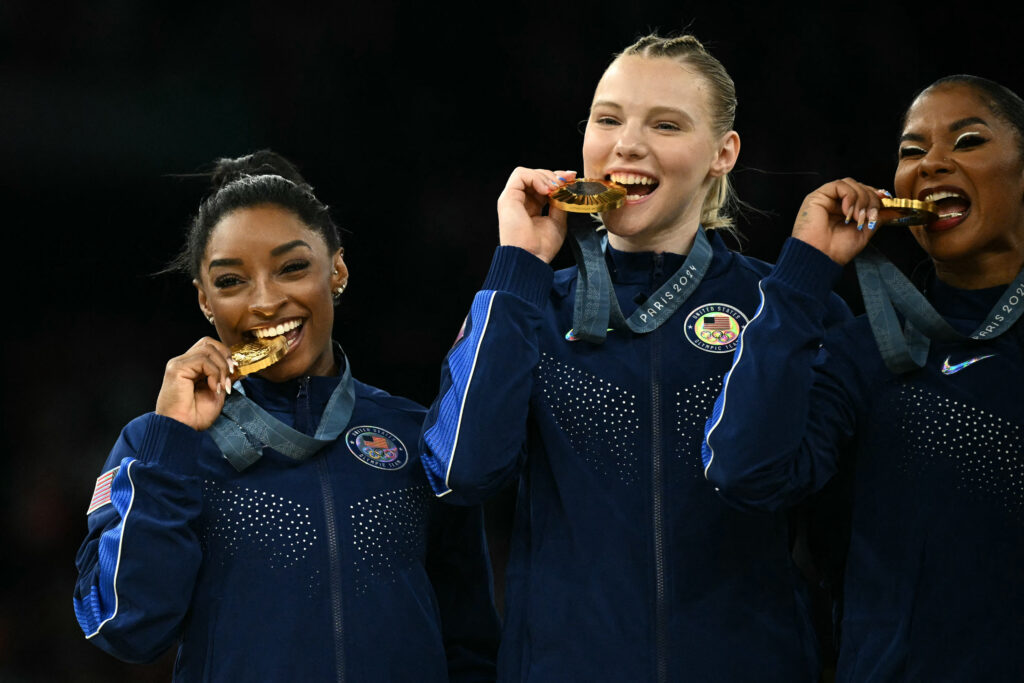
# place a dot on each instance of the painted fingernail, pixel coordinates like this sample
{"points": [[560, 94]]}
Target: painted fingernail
{"points": [[227, 385], [847, 221], [871, 226], [562, 179], [886, 193], [219, 388]]}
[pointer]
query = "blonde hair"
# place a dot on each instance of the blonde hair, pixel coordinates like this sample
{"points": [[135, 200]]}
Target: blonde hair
{"points": [[689, 52]]}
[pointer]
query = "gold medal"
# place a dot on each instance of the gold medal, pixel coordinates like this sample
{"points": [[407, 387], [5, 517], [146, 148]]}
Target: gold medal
{"points": [[588, 195], [259, 354], [910, 211]]}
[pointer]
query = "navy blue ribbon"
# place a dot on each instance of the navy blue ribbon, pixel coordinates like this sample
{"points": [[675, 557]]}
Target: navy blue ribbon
{"points": [[244, 429], [886, 291], [596, 306]]}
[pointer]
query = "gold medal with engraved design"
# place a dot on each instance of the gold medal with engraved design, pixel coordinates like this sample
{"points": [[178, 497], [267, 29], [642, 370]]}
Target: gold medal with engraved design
{"points": [[909, 211], [588, 195], [259, 354]]}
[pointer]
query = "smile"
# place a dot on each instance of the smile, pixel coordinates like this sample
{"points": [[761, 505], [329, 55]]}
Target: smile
{"points": [[637, 185], [289, 328]]}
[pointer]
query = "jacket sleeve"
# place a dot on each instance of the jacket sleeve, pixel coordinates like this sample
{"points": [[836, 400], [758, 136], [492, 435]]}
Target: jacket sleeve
{"points": [[460, 571], [475, 431], [785, 411], [138, 564]]}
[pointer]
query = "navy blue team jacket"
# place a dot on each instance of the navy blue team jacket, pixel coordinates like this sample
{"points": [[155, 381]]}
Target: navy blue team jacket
{"points": [[934, 577], [625, 564], [340, 567]]}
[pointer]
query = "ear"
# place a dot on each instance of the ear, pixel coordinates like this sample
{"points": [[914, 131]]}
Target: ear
{"points": [[204, 305], [728, 153], [339, 271]]}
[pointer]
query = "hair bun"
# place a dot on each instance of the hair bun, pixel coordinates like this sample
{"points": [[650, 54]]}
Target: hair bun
{"points": [[262, 162]]}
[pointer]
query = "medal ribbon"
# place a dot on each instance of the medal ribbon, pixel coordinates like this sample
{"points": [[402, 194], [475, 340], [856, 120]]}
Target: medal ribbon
{"points": [[886, 291], [244, 429], [596, 305]]}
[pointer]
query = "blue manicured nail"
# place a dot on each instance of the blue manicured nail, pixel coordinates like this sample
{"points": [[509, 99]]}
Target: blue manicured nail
{"points": [[860, 226], [846, 222], [887, 194], [562, 179], [871, 225]]}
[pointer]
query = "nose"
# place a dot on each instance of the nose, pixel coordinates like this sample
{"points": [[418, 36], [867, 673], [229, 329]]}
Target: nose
{"points": [[266, 298], [630, 143], [935, 162]]}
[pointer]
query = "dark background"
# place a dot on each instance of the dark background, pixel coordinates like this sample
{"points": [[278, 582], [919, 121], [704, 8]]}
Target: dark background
{"points": [[407, 120]]}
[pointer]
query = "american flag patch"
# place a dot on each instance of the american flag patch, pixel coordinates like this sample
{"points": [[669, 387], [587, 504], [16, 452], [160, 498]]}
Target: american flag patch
{"points": [[717, 322], [101, 494], [376, 442]]}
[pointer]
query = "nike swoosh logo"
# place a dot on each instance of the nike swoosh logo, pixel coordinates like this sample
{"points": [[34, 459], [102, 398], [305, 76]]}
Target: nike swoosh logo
{"points": [[948, 369]]}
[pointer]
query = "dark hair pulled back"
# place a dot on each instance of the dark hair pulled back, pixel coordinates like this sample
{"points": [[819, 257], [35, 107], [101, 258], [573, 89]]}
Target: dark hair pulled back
{"points": [[263, 177]]}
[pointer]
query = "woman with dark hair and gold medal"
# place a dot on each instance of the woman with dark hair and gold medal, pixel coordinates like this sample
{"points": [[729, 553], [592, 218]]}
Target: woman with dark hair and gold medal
{"points": [[271, 517], [590, 387], [917, 405]]}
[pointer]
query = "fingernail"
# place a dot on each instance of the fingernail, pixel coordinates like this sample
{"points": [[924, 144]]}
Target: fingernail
{"points": [[562, 179], [553, 183], [847, 221], [227, 385], [886, 192], [860, 226], [871, 226], [219, 388]]}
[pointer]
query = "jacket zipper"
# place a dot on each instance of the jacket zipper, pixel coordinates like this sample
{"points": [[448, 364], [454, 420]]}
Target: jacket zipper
{"points": [[657, 477], [330, 524]]}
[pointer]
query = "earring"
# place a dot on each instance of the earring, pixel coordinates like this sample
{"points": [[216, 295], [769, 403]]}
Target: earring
{"points": [[210, 318], [339, 290]]}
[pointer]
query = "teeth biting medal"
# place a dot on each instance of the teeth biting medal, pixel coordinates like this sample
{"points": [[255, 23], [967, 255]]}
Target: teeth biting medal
{"points": [[589, 195], [911, 211], [260, 354]]}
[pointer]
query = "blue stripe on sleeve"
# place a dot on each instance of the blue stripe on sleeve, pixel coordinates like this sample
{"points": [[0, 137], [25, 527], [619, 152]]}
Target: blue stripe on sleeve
{"points": [[443, 437], [707, 453], [100, 606]]}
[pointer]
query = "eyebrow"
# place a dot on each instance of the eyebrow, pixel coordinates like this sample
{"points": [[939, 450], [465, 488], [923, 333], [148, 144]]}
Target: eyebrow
{"points": [[288, 246], [963, 123], [953, 127], [276, 251], [654, 110]]}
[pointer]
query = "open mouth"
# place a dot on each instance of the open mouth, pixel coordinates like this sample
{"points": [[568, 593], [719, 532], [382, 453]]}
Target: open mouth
{"points": [[637, 186], [953, 206], [290, 329]]}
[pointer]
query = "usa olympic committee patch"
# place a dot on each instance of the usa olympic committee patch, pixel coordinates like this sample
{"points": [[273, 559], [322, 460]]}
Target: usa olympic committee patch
{"points": [[377, 447], [715, 327]]}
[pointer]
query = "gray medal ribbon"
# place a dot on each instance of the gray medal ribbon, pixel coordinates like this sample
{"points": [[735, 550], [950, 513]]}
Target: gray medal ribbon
{"points": [[886, 291], [596, 305], [244, 429]]}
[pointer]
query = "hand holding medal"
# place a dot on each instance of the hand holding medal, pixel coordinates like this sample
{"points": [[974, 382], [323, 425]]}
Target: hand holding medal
{"points": [[196, 383]]}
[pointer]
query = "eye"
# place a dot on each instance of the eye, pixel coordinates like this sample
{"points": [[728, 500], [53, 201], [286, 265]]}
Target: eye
{"points": [[968, 140], [227, 280], [910, 151], [295, 266], [667, 126], [606, 120]]}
